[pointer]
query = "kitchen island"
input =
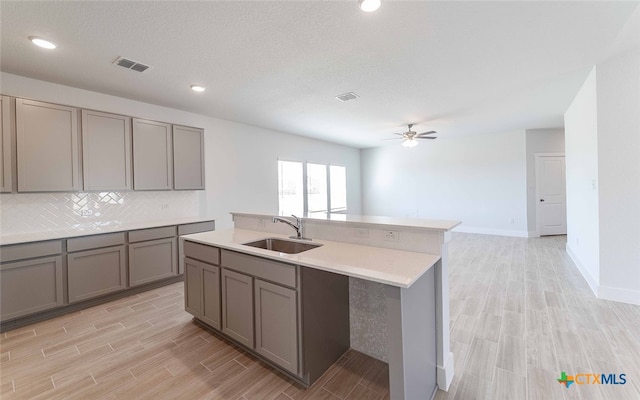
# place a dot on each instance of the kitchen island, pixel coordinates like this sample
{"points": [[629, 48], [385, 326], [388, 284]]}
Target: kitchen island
{"points": [[398, 292]]}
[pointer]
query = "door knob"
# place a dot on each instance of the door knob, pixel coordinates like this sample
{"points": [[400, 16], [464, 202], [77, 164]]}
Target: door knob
{"points": [[541, 200]]}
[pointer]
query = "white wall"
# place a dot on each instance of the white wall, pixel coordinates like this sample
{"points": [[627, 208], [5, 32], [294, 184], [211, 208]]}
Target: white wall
{"points": [[602, 129], [241, 160], [618, 88], [539, 141], [581, 148], [479, 180]]}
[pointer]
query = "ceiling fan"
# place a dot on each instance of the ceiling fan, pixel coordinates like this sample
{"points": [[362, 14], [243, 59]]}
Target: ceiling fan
{"points": [[410, 137]]}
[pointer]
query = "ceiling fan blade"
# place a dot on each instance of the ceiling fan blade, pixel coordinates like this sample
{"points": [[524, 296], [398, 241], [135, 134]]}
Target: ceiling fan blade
{"points": [[426, 133], [399, 134], [426, 137]]}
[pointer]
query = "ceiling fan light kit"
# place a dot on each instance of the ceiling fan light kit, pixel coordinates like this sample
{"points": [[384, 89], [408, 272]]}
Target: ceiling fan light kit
{"points": [[41, 42], [410, 138], [369, 5], [410, 143]]}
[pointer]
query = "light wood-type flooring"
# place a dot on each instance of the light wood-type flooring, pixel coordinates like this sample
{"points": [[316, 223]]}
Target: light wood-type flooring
{"points": [[520, 314], [147, 347]]}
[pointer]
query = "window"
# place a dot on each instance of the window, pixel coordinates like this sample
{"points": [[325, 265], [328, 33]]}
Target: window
{"points": [[305, 188], [290, 187]]}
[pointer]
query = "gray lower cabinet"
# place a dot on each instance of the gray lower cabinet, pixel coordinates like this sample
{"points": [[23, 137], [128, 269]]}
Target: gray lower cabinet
{"points": [[5, 145], [237, 307], [296, 318], [152, 155], [106, 151], [47, 147], [276, 324], [97, 272], [202, 291], [211, 296], [27, 287], [193, 287], [152, 260]]}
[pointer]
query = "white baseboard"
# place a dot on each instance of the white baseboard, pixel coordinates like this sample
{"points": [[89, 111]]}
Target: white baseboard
{"points": [[591, 280], [617, 294], [444, 374], [488, 231]]}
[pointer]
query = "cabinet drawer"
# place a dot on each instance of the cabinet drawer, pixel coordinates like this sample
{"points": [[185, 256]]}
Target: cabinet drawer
{"points": [[284, 274], [30, 250], [95, 242], [202, 252], [96, 272], [196, 227], [152, 234]]}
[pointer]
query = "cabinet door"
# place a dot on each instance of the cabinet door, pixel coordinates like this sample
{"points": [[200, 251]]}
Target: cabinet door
{"points": [[193, 287], [5, 145], [153, 260], [106, 151], [188, 158], [152, 155], [277, 324], [211, 295], [27, 287], [237, 307], [93, 273], [47, 147]]}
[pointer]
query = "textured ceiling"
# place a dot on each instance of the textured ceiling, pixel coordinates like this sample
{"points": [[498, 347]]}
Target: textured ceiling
{"points": [[456, 67]]}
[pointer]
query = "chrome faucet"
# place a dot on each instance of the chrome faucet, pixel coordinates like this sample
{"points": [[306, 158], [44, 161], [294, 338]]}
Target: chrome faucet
{"points": [[297, 226]]}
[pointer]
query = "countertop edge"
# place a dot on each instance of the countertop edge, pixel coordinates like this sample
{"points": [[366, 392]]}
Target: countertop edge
{"points": [[373, 221], [32, 237]]}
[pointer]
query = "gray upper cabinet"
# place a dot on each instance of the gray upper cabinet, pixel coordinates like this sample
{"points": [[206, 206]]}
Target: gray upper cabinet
{"points": [[47, 147], [152, 155], [106, 151], [5, 145], [188, 158]]}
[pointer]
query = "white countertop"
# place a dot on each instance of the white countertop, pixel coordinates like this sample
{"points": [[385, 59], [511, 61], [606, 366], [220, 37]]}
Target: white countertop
{"points": [[392, 267], [419, 223], [95, 229]]}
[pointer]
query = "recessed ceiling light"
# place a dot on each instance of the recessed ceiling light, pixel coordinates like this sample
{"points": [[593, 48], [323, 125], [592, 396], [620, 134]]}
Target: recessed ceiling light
{"points": [[40, 42], [369, 5], [197, 88]]}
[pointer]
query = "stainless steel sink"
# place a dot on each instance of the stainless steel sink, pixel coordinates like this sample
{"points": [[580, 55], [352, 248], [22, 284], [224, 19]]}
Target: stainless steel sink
{"points": [[282, 245]]}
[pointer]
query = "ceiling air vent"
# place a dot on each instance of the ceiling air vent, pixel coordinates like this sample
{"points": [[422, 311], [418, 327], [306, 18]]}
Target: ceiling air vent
{"points": [[130, 64], [347, 96]]}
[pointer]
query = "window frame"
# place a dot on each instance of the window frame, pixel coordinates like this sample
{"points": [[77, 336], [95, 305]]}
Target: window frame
{"points": [[305, 194]]}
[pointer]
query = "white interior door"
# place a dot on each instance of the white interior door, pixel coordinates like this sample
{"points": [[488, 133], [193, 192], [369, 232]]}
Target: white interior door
{"points": [[551, 197]]}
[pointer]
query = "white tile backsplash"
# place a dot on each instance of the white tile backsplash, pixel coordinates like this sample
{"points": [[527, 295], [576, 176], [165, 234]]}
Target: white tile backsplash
{"points": [[35, 212]]}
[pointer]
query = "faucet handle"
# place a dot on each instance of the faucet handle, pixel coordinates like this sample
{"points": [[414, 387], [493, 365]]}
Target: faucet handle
{"points": [[297, 219]]}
